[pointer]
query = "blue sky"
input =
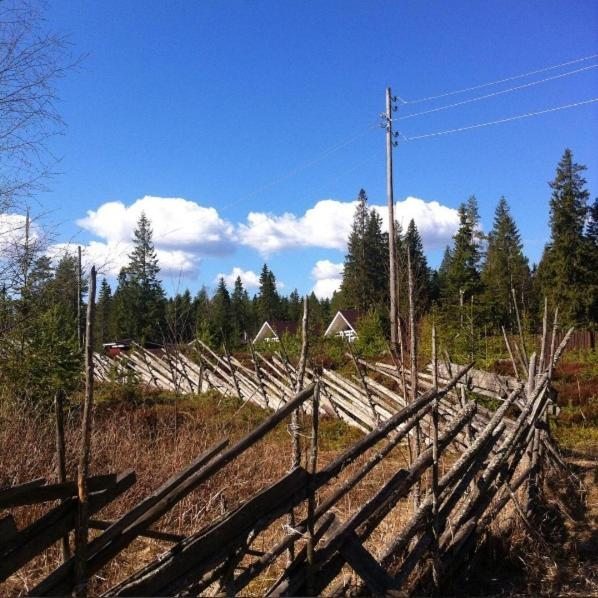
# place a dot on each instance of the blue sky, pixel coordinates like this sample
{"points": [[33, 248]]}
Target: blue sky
{"points": [[232, 106]]}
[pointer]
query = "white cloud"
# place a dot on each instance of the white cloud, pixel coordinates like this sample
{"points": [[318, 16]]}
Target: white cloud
{"points": [[327, 269], [325, 225], [328, 225], [249, 278], [436, 223], [328, 277], [177, 224], [183, 232], [109, 258]]}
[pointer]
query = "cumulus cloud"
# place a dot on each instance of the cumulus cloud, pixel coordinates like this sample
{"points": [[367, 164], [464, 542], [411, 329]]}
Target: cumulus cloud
{"points": [[177, 223], [325, 225], [436, 223], [183, 232], [328, 225], [328, 277], [109, 258], [249, 278]]}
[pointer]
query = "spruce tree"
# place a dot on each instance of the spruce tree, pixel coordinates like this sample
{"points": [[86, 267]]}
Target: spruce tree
{"points": [[241, 311], [180, 318], [376, 262], [461, 278], [412, 242], [591, 262], [505, 268], [365, 273], [104, 314], [355, 276], [141, 301], [268, 300], [221, 312], [562, 272], [123, 305], [295, 306], [202, 315]]}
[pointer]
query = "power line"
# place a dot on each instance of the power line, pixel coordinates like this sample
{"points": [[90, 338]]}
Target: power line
{"points": [[503, 120], [498, 82], [501, 92], [301, 167]]}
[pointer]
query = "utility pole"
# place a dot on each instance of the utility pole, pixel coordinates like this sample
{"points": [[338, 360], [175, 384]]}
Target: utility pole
{"points": [[390, 143]]}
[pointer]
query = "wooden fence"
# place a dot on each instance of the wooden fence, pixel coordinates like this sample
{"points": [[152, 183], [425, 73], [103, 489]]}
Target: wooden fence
{"points": [[496, 454]]}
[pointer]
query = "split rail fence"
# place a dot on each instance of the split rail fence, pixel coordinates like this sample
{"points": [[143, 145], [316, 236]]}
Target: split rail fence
{"points": [[495, 457]]}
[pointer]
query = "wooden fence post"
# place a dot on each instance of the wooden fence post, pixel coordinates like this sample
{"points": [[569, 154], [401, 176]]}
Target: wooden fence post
{"points": [[82, 529], [311, 498], [61, 460]]}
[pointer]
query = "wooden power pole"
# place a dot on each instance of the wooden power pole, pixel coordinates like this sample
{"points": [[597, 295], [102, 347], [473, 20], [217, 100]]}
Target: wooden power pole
{"points": [[390, 142]]}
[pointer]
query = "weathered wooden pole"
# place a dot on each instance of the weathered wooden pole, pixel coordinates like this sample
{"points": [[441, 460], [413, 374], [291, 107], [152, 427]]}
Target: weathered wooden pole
{"points": [[413, 357], [544, 336], [435, 572], [82, 530], [296, 456], [231, 368], [258, 374], [523, 349], [368, 394], [394, 310], [311, 499], [61, 460], [513, 362]]}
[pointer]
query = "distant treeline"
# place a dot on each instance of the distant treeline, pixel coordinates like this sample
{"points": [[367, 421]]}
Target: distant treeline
{"points": [[476, 284]]}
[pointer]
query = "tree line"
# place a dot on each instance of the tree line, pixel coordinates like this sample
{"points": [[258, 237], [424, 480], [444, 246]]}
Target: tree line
{"points": [[484, 274], [480, 278]]}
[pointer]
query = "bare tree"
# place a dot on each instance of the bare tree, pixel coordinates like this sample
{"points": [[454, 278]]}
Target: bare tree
{"points": [[32, 61]]}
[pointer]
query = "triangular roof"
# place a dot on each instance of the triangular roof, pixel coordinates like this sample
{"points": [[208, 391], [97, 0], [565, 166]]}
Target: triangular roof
{"points": [[344, 319], [275, 329]]}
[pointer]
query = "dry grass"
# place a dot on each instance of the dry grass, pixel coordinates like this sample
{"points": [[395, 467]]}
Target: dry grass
{"points": [[142, 437], [145, 436]]}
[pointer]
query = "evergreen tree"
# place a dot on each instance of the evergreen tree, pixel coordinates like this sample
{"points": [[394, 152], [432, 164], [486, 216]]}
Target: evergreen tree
{"points": [[376, 261], [241, 311], [64, 292], [202, 315], [355, 273], [141, 296], [295, 306], [123, 305], [562, 272], [180, 318], [268, 300], [365, 274], [460, 276], [412, 242], [221, 321], [505, 268], [104, 328], [591, 261]]}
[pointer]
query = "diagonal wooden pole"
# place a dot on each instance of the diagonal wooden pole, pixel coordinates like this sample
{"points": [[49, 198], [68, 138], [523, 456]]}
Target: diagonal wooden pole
{"points": [[82, 529]]}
